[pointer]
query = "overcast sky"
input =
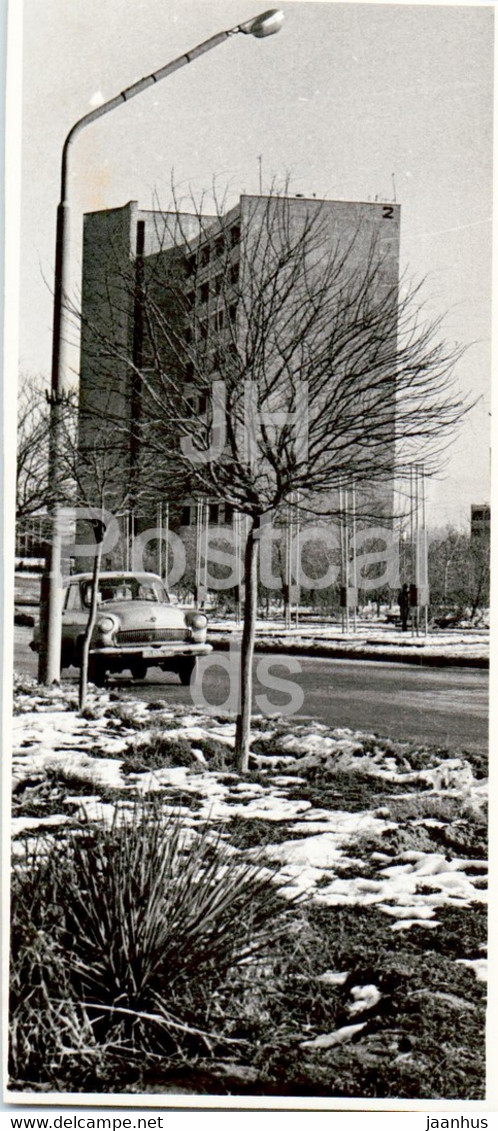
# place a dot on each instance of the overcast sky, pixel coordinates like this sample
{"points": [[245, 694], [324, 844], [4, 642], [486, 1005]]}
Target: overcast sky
{"points": [[351, 101]]}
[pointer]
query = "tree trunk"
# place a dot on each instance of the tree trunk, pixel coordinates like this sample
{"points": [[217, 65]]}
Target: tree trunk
{"points": [[477, 595], [83, 683], [243, 723]]}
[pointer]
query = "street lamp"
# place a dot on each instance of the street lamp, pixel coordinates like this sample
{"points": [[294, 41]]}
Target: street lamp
{"points": [[267, 23]]}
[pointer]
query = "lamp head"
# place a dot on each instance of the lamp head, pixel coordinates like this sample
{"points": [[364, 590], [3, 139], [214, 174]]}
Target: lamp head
{"points": [[268, 23]]}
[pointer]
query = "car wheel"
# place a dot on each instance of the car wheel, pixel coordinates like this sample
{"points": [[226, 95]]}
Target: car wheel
{"points": [[96, 671], [186, 671], [139, 669]]}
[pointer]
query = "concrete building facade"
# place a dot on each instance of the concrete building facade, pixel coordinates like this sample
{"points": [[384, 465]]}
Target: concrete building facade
{"points": [[198, 274]]}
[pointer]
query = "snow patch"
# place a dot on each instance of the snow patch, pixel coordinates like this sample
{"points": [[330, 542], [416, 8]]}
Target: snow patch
{"points": [[338, 1037], [478, 965]]}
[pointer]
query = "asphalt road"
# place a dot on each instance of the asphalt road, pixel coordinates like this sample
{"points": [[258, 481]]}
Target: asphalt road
{"points": [[447, 706]]}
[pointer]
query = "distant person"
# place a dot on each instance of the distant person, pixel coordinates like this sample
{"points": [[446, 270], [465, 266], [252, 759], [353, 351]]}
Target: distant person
{"points": [[404, 605]]}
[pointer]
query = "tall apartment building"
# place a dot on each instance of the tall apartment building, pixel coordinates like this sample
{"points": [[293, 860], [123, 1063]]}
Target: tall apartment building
{"points": [[198, 274]]}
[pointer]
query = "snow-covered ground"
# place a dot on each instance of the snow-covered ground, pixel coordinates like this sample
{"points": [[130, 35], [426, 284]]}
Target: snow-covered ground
{"points": [[385, 854], [369, 640]]}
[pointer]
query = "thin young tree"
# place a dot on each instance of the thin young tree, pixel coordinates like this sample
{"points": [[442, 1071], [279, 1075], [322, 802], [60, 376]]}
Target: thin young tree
{"points": [[97, 466], [279, 359]]}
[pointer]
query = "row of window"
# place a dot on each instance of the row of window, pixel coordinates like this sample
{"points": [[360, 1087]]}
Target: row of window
{"points": [[216, 323], [214, 249], [211, 287], [198, 402]]}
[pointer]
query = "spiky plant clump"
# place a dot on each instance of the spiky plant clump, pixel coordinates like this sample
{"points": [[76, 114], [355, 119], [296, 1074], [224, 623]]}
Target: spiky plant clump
{"points": [[121, 939], [47, 1024]]}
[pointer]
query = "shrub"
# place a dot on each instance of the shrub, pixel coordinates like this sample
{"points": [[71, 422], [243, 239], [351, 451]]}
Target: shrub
{"points": [[121, 939]]}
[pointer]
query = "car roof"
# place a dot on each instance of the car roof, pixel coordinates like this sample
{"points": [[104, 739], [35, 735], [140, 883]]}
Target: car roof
{"points": [[122, 574]]}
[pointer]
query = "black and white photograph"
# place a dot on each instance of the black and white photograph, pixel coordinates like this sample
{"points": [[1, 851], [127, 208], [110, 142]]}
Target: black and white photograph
{"points": [[247, 413]]}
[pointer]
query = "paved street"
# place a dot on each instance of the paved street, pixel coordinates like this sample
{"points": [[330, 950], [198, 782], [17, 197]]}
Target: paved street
{"points": [[447, 706]]}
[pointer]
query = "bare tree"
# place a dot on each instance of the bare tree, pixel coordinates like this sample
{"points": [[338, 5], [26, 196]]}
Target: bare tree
{"points": [[459, 572], [279, 360], [96, 474], [32, 448], [94, 477]]}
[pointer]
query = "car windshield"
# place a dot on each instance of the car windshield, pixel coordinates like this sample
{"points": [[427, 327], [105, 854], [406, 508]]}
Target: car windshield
{"points": [[126, 589]]}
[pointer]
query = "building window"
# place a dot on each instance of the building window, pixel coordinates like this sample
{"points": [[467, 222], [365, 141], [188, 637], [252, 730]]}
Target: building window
{"points": [[217, 359], [204, 292], [217, 284], [185, 516], [202, 401], [140, 237], [214, 513], [234, 274]]}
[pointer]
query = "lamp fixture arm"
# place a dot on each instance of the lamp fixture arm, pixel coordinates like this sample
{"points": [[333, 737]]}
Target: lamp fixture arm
{"points": [[131, 91]]}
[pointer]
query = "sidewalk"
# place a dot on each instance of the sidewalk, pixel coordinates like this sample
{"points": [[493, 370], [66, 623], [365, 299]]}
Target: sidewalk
{"points": [[464, 648]]}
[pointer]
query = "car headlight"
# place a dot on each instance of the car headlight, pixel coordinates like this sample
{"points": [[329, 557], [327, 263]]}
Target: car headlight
{"points": [[106, 625], [199, 621]]}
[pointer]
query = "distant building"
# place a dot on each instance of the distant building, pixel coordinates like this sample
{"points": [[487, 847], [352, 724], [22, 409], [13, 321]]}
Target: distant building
{"points": [[480, 521]]}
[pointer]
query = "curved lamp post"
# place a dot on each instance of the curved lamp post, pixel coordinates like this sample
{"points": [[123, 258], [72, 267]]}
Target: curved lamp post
{"points": [[267, 23]]}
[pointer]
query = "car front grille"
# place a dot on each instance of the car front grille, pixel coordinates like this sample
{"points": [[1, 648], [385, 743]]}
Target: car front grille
{"points": [[151, 635]]}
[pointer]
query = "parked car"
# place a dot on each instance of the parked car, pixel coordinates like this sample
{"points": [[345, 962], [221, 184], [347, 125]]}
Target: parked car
{"points": [[138, 626]]}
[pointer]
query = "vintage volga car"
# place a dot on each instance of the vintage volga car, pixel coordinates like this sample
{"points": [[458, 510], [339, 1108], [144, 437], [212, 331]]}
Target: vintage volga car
{"points": [[137, 627]]}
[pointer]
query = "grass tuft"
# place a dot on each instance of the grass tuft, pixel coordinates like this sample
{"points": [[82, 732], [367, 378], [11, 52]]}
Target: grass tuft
{"points": [[121, 939], [158, 752], [218, 755]]}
